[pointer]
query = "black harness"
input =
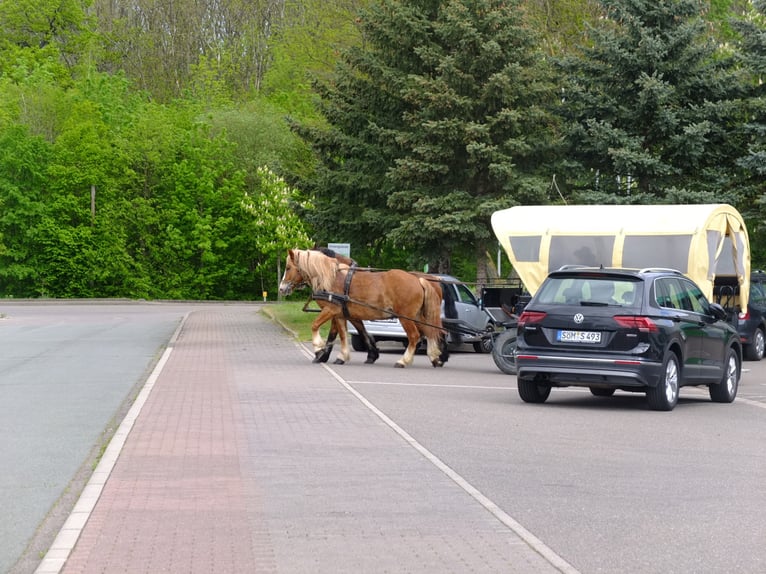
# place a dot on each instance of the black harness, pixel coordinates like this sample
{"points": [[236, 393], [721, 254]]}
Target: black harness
{"points": [[337, 297]]}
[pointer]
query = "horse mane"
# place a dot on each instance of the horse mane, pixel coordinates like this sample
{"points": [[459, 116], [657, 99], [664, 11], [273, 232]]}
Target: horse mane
{"points": [[318, 268]]}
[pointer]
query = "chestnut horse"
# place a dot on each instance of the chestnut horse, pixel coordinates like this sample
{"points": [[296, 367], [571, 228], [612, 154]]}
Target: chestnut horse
{"points": [[345, 292], [338, 324]]}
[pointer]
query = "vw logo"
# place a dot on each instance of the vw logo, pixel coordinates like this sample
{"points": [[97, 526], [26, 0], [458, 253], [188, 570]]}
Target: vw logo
{"points": [[578, 318]]}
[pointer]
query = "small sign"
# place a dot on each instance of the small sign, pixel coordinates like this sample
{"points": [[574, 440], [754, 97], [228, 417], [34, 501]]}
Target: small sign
{"points": [[340, 248]]}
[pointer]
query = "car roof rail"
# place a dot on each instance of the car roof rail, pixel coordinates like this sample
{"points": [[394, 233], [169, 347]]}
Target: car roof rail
{"points": [[660, 270]]}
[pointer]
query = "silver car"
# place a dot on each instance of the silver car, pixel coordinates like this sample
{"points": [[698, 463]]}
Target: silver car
{"points": [[473, 323]]}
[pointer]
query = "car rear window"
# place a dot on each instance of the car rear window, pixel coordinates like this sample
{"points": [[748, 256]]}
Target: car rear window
{"points": [[591, 290]]}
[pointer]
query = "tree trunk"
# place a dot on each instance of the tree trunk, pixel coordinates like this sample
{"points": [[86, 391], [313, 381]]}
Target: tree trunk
{"points": [[481, 266]]}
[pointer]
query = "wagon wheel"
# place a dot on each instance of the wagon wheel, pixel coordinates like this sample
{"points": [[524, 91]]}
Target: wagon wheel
{"points": [[502, 351], [486, 343]]}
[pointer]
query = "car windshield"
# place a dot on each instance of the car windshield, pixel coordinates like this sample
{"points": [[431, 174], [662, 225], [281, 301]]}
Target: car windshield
{"points": [[591, 290]]}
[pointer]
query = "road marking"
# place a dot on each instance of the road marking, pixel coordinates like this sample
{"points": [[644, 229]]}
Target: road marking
{"points": [[535, 543], [432, 385]]}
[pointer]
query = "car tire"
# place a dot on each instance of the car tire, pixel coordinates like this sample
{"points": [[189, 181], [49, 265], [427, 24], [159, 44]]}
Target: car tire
{"points": [[754, 351], [486, 343], [726, 390], [357, 343], [503, 348], [601, 392], [531, 392], [664, 396]]}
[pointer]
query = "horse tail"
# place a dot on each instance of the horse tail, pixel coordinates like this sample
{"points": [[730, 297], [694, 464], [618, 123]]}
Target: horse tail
{"points": [[431, 310], [432, 318]]}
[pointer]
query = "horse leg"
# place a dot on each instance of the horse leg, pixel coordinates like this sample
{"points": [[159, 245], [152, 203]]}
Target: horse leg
{"points": [[339, 324], [413, 338], [322, 349], [323, 355], [437, 350], [369, 341]]}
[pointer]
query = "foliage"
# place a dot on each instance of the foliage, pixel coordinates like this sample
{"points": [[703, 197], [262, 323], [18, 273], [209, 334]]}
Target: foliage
{"points": [[752, 51], [436, 122], [135, 162], [562, 24], [651, 106], [120, 197]]}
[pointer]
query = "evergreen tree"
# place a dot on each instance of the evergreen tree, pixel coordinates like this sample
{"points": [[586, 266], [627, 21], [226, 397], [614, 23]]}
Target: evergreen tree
{"points": [[435, 122], [651, 107], [753, 56]]}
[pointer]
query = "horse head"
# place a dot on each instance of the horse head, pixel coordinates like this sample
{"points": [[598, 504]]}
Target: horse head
{"points": [[292, 276]]}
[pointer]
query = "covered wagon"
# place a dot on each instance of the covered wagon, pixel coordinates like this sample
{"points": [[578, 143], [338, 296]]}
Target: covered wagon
{"points": [[708, 243]]}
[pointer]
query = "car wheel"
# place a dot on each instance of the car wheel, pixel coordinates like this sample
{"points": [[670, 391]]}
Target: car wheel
{"points": [[726, 390], [531, 392], [357, 343], [754, 351], [503, 348], [664, 396], [486, 344], [601, 392]]}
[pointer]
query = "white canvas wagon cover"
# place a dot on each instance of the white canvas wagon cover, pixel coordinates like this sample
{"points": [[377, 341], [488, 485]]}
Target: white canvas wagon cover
{"points": [[701, 241]]}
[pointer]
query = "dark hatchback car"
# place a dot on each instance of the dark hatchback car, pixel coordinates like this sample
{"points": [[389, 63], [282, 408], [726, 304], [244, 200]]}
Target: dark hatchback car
{"points": [[649, 330], [752, 323]]}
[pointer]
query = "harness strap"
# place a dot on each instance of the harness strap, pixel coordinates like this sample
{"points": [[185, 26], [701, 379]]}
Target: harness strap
{"points": [[330, 297], [346, 288]]}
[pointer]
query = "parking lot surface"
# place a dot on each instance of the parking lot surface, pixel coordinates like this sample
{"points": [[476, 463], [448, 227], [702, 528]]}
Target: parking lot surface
{"points": [[241, 455]]}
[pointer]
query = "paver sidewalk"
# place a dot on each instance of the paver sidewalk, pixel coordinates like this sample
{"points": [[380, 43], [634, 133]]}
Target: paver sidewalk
{"points": [[246, 457]]}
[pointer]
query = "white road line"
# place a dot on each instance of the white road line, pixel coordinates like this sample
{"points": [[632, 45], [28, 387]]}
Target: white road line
{"points": [[535, 543], [432, 385]]}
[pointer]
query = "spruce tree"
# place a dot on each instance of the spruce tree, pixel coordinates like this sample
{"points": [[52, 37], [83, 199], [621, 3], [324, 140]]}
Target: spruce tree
{"points": [[440, 118], [753, 53], [651, 108], [752, 50]]}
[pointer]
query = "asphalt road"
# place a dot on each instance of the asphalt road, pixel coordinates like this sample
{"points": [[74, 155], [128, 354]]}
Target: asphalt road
{"points": [[606, 483]]}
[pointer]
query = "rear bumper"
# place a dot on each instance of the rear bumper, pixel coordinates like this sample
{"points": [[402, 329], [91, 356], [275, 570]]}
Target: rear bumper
{"points": [[562, 370]]}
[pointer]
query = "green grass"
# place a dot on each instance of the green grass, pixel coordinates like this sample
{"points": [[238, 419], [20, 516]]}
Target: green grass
{"points": [[290, 314]]}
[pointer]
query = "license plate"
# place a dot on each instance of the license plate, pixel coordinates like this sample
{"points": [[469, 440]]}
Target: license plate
{"points": [[579, 336]]}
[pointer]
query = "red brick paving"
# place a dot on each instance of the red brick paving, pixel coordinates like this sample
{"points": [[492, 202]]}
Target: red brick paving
{"points": [[248, 458]]}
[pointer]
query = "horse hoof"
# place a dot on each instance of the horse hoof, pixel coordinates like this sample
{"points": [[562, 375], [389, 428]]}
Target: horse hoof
{"points": [[373, 356], [339, 362], [437, 364], [398, 365], [370, 361], [321, 357]]}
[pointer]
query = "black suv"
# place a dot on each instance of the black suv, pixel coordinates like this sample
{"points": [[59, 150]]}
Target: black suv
{"points": [[649, 330], [752, 324]]}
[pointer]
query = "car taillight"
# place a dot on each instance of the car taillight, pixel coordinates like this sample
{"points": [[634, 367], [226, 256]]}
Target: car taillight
{"points": [[636, 322], [744, 315], [531, 317]]}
